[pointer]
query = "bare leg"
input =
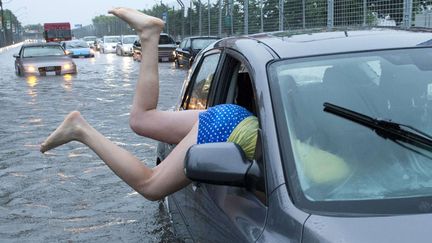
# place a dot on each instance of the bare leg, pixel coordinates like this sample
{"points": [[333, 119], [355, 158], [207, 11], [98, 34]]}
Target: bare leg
{"points": [[145, 120], [153, 184]]}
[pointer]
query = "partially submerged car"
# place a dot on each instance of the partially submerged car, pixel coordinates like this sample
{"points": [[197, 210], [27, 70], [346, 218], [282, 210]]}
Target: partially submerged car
{"points": [[109, 43], [166, 47], [43, 59], [344, 150], [189, 48], [78, 48], [125, 45]]}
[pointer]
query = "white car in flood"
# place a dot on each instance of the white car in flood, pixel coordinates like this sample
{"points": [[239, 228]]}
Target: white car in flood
{"points": [[125, 45], [109, 43]]}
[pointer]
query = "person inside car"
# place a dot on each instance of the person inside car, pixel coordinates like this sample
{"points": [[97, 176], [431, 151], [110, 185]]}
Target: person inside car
{"points": [[221, 123]]}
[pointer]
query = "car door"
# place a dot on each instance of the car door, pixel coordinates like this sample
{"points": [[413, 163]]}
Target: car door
{"points": [[221, 213]]}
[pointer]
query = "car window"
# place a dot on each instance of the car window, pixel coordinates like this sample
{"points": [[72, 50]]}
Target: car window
{"points": [[129, 39], [38, 51], [76, 44], [359, 163], [187, 44], [238, 89], [113, 39], [165, 39], [198, 95], [201, 43], [183, 44]]}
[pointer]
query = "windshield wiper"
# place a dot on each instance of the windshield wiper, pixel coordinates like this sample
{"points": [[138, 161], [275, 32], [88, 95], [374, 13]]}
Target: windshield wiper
{"points": [[385, 129]]}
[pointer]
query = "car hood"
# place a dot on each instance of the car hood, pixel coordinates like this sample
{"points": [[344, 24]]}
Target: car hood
{"points": [[47, 61], [401, 228]]}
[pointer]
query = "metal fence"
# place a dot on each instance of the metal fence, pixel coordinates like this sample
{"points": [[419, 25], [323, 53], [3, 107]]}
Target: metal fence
{"points": [[10, 28], [238, 17]]}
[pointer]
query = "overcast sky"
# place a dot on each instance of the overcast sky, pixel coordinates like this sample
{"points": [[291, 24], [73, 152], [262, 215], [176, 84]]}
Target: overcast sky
{"points": [[73, 11]]}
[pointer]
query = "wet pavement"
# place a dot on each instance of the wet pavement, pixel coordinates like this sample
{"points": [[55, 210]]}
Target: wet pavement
{"points": [[69, 194]]}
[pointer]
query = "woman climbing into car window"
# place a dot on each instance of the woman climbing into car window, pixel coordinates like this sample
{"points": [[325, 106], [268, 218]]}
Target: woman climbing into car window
{"points": [[221, 123]]}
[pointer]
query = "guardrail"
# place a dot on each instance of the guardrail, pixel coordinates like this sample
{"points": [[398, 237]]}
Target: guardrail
{"points": [[7, 48]]}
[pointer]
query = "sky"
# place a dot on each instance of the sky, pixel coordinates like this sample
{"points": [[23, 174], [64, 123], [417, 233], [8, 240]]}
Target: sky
{"points": [[73, 11]]}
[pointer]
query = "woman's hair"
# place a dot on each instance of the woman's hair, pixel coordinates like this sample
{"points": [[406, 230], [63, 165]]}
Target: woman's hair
{"points": [[245, 135]]}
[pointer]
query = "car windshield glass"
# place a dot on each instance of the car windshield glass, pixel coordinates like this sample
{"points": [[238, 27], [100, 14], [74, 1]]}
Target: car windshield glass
{"points": [[76, 44], [340, 160], [201, 43], [164, 39], [111, 39], [129, 39], [39, 51]]}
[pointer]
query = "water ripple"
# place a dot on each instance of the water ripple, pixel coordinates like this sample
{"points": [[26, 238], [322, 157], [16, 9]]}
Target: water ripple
{"points": [[69, 194]]}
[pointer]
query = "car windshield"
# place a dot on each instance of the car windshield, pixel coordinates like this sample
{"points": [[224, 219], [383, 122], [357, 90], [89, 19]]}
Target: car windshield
{"points": [[129, 39], [199, 44], [340, 159], [111, 39], [40, 51], [76, 44], [164, 39]]}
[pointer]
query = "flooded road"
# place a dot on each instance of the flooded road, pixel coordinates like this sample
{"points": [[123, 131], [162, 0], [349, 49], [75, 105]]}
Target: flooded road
{"points": [[69, 194]]}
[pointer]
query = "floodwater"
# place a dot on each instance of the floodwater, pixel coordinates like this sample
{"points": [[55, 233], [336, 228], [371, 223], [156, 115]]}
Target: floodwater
{"points": [[69, 194]]}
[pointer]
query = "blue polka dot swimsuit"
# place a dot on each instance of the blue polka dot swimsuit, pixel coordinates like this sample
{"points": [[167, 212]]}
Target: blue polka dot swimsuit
{"points": [[217, 122]]}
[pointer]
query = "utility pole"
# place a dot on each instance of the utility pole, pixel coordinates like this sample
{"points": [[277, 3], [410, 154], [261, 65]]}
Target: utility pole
{"points": [[3, 22]]}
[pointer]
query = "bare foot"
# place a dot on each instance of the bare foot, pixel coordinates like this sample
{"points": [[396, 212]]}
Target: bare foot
{"points": [[70, 129], [145, 25]]}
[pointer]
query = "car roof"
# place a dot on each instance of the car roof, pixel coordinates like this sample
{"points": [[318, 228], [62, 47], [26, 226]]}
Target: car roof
{"points": [[41, 44], [202, 37], [289, 44]]}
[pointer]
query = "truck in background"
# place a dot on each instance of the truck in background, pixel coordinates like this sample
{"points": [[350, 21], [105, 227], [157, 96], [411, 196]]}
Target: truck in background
{"points": [[56, 32]]}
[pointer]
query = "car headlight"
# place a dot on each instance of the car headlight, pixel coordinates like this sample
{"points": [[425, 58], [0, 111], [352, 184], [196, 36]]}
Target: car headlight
{"points": [[68, 52], [92, 51], [67, 66], [30, 69]]}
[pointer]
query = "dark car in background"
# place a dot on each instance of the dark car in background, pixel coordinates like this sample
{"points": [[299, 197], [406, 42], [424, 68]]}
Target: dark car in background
{"points": [[166, 47], [43, 59], [78, 48], [136, 51], [344, 151], [189, 48]]}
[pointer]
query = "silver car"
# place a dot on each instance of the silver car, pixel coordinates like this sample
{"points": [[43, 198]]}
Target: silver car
{"points": [[125, 45], [109, 44], [43, 59], [344, 152]]}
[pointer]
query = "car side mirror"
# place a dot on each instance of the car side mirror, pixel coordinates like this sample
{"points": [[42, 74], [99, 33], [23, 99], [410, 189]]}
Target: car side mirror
{"points": [[221, 164], [16, 55]]}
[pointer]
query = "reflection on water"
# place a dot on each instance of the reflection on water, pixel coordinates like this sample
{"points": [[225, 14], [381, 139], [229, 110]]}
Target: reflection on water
{"points": [[69, 194], [67, 84]]}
